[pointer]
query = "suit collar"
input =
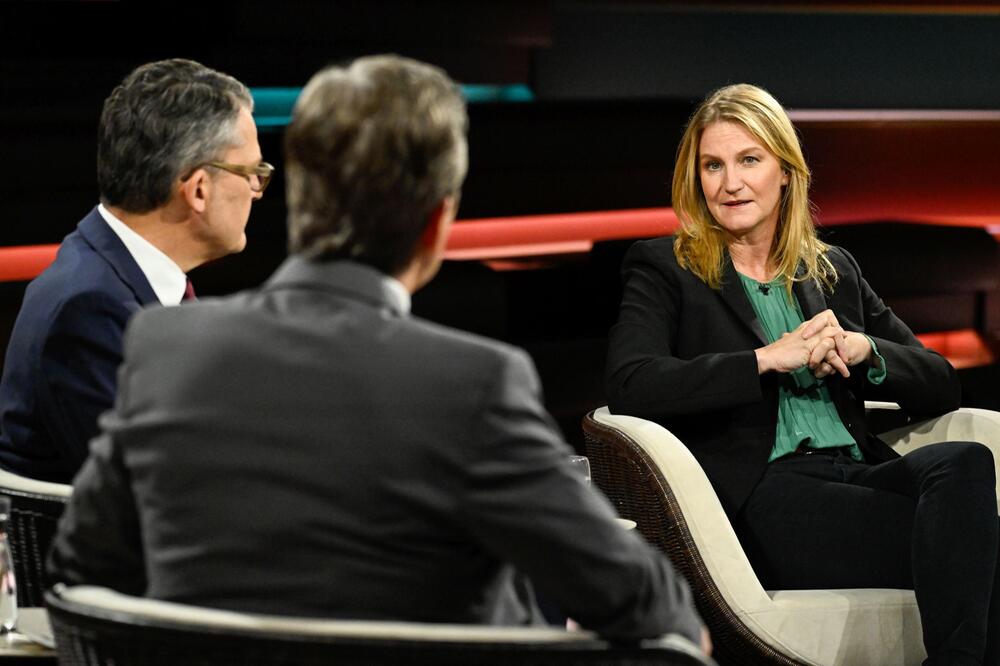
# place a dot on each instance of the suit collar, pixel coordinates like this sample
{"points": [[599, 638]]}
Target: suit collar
{"points": [[810, 297], [343, 278], [96, 232]]}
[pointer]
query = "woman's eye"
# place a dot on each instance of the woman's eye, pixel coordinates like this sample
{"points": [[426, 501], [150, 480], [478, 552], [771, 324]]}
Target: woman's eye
{"points": [[750, 159], [712, 166]]}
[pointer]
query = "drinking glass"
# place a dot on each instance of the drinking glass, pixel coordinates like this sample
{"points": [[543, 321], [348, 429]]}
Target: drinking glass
{"points": [[8, 590], [580, 466]]}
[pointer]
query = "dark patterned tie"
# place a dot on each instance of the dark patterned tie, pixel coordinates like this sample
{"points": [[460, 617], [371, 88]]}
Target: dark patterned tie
{"points": [[188, 292]]}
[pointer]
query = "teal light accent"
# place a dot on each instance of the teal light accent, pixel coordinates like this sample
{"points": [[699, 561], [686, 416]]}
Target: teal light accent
{"points": [[479, 92], [273, 106]]}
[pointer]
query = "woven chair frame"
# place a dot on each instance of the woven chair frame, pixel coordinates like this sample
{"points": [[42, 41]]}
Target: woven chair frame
{"points": [[639, 492], [86, 636], [32, 525]]}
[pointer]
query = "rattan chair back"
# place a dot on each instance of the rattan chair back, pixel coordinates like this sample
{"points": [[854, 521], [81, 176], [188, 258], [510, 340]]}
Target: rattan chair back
{"points": [[35, 510], [640, 492]]}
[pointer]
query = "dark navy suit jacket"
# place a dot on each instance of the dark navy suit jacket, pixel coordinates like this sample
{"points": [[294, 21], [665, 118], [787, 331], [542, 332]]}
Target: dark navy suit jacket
{"points": [[64, 352]]}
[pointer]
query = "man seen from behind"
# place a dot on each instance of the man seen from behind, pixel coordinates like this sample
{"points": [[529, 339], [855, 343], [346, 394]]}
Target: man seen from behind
{"points": [[312, 449]]}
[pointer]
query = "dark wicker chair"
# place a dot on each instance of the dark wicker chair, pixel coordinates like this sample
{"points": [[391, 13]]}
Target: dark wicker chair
{"points": [[624, 471], [35, 510], [95, 626], [651, 478]]}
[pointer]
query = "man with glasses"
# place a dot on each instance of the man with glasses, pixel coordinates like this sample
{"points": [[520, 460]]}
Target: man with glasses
{"points": [[311, 449], [178, 167]]}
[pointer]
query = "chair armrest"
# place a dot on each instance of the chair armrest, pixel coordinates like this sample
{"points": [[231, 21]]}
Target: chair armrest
{"points": [[26, 486], [710, 529], [966, 424], [876, 404], [134, 629], [884, 416], [679, 645]]}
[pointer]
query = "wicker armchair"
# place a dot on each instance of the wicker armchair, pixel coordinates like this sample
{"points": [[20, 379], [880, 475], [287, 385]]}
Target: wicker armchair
{"points": [[96, 626], [652, 478], [35, 507]]}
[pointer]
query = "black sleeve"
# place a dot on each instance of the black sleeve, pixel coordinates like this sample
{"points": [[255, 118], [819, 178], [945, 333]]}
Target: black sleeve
{"points": [[645, 377], [922, 381]]}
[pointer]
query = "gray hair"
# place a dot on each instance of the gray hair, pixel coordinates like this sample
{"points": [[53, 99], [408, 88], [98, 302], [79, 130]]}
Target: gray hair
{"points": [[164, 120], [371, 150]]}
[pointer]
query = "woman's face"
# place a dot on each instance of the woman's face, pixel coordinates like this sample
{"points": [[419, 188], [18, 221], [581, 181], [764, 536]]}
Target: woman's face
{"points": [[741, 180]]}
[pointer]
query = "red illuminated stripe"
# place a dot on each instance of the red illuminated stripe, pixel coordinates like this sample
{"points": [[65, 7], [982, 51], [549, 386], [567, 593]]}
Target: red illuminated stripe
{"points": [[525, 236], [543, 235], [534, 235], [964, 348], [24, 262]]}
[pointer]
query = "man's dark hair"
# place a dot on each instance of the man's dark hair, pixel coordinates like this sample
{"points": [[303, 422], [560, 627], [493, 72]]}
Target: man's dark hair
{"points": [[371, 150], [165, 119]]}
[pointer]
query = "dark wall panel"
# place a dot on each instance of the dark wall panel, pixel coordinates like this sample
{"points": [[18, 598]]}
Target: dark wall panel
{"points": [[854, 59]]}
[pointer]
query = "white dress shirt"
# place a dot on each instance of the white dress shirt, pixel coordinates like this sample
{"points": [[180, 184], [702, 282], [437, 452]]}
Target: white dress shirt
{"points": [[399, 293], [165, 277]]}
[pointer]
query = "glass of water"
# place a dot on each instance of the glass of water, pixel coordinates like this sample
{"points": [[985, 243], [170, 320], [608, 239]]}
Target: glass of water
{"points": [[8, 590], [580, 466]]}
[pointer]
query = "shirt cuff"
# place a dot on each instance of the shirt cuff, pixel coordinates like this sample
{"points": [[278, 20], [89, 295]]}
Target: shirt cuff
{"points": [[877, 371]]}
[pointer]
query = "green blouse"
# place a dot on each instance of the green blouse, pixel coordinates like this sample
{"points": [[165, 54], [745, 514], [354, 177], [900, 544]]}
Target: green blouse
{"points": [[806, 413]]}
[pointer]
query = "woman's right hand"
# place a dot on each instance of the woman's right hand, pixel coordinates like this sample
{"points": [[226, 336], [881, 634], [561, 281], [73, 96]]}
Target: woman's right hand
{"points": [[818, 343]]}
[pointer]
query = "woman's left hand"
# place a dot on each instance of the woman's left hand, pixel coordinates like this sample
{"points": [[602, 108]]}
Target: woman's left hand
{"points": [[854, 348], [845, 348]]}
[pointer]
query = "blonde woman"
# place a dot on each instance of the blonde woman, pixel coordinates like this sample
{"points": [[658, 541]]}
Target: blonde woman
{"points": [[756, 343]]}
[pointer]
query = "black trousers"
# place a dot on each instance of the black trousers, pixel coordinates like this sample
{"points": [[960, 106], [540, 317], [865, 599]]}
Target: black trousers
{"points": [[927, 522]]}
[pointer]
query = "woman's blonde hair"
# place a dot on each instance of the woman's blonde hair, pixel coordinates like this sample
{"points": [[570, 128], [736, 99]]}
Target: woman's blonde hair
{"points": [[700, 243]]}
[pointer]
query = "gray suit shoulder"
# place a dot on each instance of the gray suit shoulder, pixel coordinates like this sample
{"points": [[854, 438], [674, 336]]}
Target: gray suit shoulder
{"points": [[471, 343], [214, 316]]}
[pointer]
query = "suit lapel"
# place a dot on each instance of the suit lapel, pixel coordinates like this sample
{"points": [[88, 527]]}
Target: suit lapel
{"points": [[106, 243], [734, 296], [810, 297], [812, 302]]}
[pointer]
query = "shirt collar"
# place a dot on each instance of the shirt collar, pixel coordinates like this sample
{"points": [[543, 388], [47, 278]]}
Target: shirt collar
{"points": [[165, 277], [398, 293]]}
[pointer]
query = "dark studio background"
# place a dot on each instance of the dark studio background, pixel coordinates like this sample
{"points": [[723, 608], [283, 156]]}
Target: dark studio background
{"points": [[613, 84]]}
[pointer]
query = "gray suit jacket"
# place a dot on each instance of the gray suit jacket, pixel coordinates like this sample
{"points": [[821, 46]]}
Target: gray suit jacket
{"points": [[310, 449]]}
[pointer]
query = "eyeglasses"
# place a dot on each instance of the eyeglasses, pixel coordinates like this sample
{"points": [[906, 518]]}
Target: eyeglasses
{"points": [[262, 171]]}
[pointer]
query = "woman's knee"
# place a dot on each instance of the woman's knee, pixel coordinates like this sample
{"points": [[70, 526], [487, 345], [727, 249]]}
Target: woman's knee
{"points": [[971, 461]]}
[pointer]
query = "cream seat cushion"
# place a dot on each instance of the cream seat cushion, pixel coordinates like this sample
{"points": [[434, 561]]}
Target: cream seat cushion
{"points": [[820, 627]]}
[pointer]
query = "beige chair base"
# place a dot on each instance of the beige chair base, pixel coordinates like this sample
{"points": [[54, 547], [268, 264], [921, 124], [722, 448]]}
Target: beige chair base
{"points": [[652, 478]]}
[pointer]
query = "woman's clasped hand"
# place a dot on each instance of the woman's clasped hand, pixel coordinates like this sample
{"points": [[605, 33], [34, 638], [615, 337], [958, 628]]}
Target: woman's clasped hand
{"points": [[819, 344]]}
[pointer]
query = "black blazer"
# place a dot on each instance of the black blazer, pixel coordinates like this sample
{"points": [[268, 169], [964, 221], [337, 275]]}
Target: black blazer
{"points": [[682, 354]]}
